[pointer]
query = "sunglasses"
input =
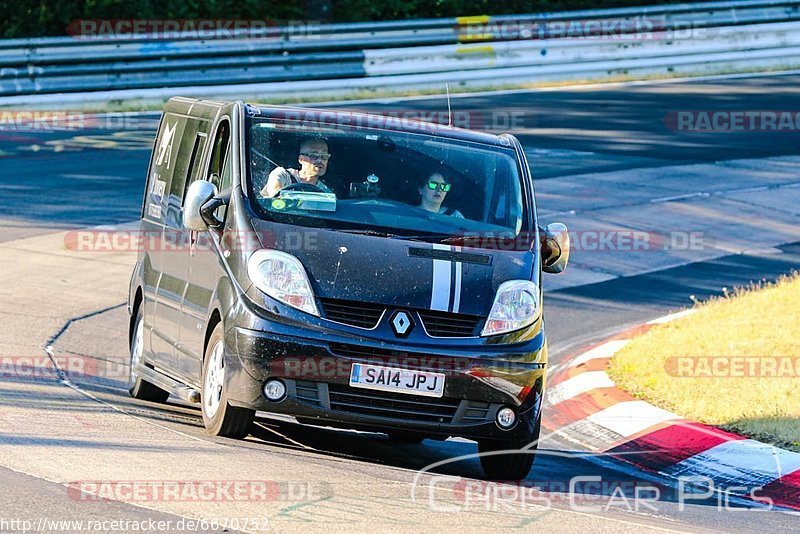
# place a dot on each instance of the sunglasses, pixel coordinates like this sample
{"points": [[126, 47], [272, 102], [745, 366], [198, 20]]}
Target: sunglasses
{"points": [[433, 186], [317, 156]]}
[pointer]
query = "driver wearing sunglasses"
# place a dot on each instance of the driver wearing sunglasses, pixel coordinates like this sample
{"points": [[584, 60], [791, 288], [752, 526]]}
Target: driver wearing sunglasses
{"points": [[433, 192], [313, 160]]}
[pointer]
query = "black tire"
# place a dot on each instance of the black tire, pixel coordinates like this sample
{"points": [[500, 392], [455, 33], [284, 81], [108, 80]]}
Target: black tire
{"points": [[137, 387], [510, 465], [401, 436], [226, 420]]}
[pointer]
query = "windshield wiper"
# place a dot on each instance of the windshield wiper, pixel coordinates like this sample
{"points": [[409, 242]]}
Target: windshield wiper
{"points": [[399, 237], [437, 238], [445, 239], [457, 240], [375, 233]]}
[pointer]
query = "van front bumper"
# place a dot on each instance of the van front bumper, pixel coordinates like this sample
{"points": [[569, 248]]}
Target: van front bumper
{"points": [[316, 371]]}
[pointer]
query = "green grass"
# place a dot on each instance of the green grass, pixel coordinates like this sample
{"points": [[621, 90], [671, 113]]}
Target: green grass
{"points": [[664, 366]]}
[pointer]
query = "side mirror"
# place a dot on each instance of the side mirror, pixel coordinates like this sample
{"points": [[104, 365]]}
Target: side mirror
{"points": [[555, 248], [199, 192]]}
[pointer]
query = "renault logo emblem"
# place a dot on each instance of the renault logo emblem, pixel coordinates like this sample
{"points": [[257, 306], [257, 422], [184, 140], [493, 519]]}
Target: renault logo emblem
{"points": [[401, 323]]}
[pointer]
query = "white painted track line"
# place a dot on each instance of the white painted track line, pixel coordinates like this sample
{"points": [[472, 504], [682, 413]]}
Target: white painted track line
{"points": [[631, 417], [606, 350], [578, 384]]}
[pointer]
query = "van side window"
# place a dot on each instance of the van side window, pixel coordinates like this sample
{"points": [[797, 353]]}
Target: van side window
{"points": [[184, 155], [163, 166], [199, 145], [219, 154], [225, 183], [220, 165]]}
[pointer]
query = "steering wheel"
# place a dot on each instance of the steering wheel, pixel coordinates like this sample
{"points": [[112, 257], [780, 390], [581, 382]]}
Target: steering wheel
{"points": [[299, 186]]}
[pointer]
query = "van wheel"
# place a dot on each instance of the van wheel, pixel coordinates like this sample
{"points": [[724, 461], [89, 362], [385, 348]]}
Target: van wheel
{"points": [[138, 388], [509, 465], [219, 417]]}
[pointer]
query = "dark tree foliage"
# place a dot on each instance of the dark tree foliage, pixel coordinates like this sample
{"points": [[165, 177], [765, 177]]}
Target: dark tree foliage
{"points": [[31, 18]]}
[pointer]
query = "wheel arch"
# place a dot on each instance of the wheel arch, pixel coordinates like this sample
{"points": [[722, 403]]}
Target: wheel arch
{"points": [[135, 295], [213, 320], [136, 303], [223, 301]]}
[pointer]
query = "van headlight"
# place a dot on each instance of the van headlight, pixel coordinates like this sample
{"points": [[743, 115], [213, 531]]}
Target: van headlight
{"points": [[282, 277], [515, 306]]}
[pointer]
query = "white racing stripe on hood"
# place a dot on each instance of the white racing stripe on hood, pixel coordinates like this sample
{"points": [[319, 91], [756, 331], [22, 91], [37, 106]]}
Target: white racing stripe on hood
{"points": [[446, 282], [457, 288], [440, 291]]}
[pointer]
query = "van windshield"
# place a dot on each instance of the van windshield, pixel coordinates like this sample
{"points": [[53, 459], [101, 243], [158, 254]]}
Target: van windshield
{"points": [[395, 184]]}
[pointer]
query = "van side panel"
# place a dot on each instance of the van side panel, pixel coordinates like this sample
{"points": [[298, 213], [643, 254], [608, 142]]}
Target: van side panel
{"points": [[152, 228], [204, 271]]}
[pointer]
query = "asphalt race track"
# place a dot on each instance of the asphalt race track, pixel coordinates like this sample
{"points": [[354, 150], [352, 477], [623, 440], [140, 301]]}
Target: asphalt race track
{"points": [[55, 181]]}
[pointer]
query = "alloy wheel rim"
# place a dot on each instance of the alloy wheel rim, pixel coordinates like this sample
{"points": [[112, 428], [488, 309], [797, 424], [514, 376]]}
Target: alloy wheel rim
{"points": [[136, 352], [215, 379]]}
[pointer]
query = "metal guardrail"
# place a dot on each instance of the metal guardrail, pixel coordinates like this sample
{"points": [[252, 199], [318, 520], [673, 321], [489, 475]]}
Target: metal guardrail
{"points": [[367, 55]]}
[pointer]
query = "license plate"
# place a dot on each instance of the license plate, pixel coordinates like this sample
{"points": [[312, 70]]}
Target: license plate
{"points": [[408, 381]]}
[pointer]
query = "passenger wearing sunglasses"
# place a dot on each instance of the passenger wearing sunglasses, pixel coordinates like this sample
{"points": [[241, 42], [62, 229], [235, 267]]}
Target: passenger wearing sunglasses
{"points": [[433, 192], [313, 161]]}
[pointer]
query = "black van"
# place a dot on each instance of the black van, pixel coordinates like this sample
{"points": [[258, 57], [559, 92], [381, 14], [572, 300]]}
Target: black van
{"points": [[344, 269]]}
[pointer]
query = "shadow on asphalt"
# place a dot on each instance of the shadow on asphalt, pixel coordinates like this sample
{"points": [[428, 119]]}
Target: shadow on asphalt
{"points": [[552, 479]]}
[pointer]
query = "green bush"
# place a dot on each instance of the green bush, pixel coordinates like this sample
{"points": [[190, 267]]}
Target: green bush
{"points": [[31, 18]]}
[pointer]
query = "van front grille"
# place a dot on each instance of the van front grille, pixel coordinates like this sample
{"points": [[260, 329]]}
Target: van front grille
{"points": [[308, 392], [353, 313], [403, 407], [476, 412], [367, 315], [393, 405], [443, 324]]}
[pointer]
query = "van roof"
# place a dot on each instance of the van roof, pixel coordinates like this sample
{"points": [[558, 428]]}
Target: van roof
{"points": [[398, 122]]}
